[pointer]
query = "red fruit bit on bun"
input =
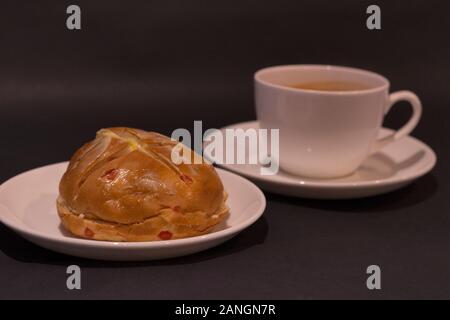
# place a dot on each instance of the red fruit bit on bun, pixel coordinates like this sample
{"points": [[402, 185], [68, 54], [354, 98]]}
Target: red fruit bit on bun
{"points": [[165, 235], [88, 233]]}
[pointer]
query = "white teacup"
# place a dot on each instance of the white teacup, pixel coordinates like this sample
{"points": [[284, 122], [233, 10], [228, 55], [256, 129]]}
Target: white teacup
{"points": [[327, 134]]}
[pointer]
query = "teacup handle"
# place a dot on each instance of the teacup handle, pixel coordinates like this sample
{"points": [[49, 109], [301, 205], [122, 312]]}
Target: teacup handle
{"points": [[409, 126]]}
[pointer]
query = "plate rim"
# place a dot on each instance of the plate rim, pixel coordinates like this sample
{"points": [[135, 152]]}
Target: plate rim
{"points": [[326, 183], [22, 228]]}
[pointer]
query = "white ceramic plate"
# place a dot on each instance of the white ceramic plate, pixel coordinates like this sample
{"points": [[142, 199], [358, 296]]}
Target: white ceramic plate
{"points": [[395, 166], [27, 205]]}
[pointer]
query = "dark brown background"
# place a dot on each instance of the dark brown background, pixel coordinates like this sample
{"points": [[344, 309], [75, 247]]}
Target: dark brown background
{"points": [[160, 65]]}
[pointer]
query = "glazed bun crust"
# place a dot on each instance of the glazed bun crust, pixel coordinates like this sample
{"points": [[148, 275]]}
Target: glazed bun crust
{"points": [[123, 186]]}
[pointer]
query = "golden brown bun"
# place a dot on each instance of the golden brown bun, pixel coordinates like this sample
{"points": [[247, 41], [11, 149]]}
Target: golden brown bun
{"points": [[123, 186]]}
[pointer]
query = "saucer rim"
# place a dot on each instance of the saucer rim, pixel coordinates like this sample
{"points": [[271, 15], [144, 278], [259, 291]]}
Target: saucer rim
{"points": [[328, 183]]}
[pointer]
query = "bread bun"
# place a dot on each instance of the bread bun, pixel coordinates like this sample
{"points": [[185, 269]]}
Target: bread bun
{"points": [[123, 186]]}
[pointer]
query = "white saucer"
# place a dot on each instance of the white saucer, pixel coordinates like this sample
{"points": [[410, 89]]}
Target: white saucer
{"points": [[395, 166], [27, 205]]}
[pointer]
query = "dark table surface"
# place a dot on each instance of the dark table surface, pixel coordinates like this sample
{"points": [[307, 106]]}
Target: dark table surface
{"points": [[160, 65]]}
